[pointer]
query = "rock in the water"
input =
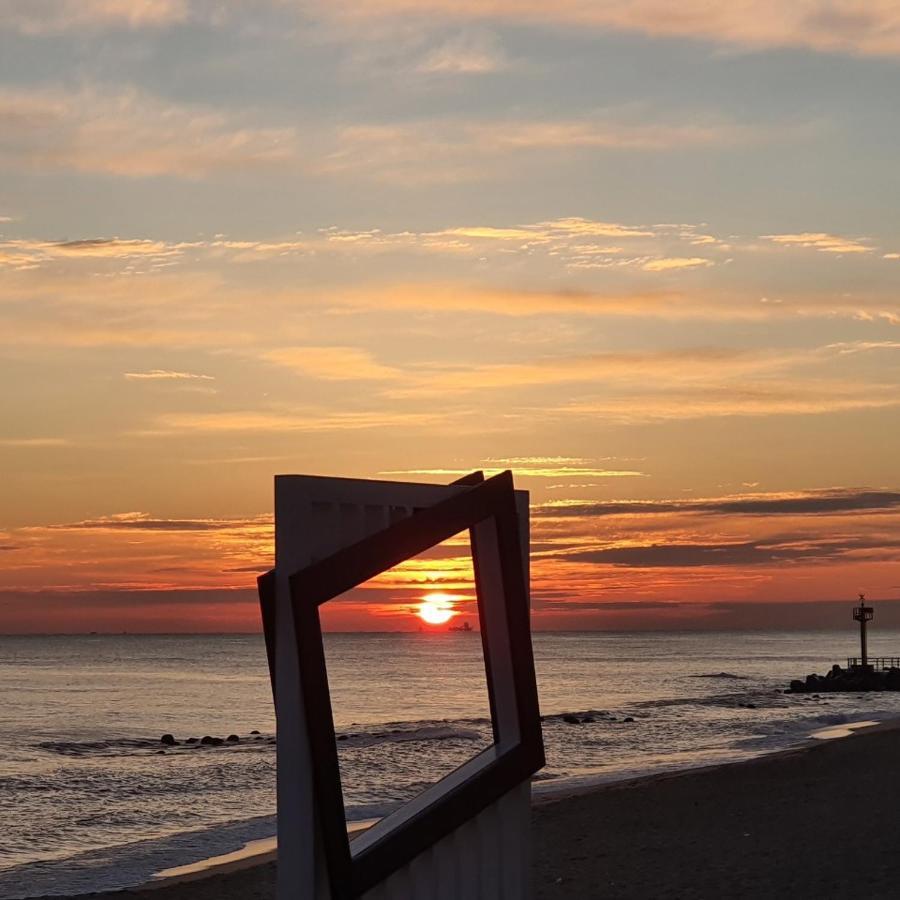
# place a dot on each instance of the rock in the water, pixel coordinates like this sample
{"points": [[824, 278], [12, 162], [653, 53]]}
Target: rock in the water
{"points": [[254, 731], [211, 741], [853, 680], [168, 740], [192, 741], [587, 719], [628, 719], [571, 720], [233, 739]]}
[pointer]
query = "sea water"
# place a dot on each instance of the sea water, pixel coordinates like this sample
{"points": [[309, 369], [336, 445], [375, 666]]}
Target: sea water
{"points": [[90, 799]]}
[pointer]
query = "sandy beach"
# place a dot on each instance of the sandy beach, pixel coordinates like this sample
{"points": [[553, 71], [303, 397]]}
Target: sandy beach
{"points": [[817, 822]]}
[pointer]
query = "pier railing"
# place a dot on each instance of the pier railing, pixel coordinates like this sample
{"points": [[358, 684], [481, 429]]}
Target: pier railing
{"points": [[879, 663]]}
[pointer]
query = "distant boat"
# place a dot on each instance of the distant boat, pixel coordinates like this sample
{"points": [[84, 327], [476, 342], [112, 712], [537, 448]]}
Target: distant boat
{"points": [[464, 627]]}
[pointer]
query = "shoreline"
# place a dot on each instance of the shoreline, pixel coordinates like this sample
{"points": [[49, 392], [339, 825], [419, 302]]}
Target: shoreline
{"points": [[242, 874], [245, 857]]}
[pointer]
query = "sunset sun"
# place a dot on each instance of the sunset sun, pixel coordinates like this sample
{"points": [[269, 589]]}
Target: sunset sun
{"points": [[436, 609]]}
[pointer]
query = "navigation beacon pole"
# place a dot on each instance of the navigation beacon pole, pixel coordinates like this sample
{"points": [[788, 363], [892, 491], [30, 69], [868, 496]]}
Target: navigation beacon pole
{"points": [[863, 614]]}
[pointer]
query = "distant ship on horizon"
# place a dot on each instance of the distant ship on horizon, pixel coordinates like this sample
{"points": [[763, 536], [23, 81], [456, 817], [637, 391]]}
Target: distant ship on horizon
{"points": [[464, 627]]}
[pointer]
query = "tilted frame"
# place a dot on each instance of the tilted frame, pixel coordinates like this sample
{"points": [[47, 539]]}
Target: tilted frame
{"points": [[488, 511]]}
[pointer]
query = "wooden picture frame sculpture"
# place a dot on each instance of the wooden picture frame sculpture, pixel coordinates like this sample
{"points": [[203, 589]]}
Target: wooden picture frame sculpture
{"points": [[487, 509]]}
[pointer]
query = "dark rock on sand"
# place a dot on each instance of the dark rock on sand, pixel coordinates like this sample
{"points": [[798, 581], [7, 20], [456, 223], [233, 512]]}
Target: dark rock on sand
{"points": [[168, 740], [233, 739], [254, 731], [571, 720], [192, 741], [628, 719], [211, 741]]}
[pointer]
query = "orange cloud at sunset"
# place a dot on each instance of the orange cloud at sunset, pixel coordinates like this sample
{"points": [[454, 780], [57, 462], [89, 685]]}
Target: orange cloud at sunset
{"points": [[655, 563]]}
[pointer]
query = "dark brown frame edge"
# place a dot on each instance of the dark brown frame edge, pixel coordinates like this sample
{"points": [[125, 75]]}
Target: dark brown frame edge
{"points": [[265, 585], [351, 875]]}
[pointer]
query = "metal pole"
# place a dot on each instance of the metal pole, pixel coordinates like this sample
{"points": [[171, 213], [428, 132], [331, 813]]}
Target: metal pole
{"points": [[862, 639]]}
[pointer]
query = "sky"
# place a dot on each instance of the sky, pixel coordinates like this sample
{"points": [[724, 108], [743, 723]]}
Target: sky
{"points": [[646, 257]]}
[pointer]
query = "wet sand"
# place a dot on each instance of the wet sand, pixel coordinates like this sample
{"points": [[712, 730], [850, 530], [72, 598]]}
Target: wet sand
{"points": [[820, 822]]}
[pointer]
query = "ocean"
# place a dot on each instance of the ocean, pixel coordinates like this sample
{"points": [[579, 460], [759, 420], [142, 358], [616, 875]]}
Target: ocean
{"points": [[90, 799]]}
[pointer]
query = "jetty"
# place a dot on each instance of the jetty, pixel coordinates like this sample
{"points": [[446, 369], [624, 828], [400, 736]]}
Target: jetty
{"points": [[880, 673]]}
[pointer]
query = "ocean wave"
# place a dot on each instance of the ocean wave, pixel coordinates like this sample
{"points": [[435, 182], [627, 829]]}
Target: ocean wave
{"points": [[779, 733], [392, 733], [728, 675], [418, 732], [143, 746], [757, 696]]}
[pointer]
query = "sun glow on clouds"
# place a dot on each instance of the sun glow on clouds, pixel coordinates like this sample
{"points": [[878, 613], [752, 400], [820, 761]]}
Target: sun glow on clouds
{"points": [[167, 375], [437, 609], [826, 243], [528, 472], [586, 557]]}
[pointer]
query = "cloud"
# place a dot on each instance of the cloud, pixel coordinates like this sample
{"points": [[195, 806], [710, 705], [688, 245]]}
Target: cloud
{"points": [[858, 27], [572, 241], [538, 460], [332, 363], [25, 253], [469, 53], [791, 395], [825, 243], [575, 226], [34, 442], [448, 150], [139, 521], [310, 421], [691, 366], [631, 301], [100, 305], [863, 27], [530, 472], [677, 262], [38, 17], [143, 254], [745, 553], [132, 134], [167, 375], [153, 611], [106, 248], [850, 347], [826, 502]]}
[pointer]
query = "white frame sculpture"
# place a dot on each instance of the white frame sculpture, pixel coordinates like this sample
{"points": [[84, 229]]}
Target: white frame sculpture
{"points": [[323, 527]]}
